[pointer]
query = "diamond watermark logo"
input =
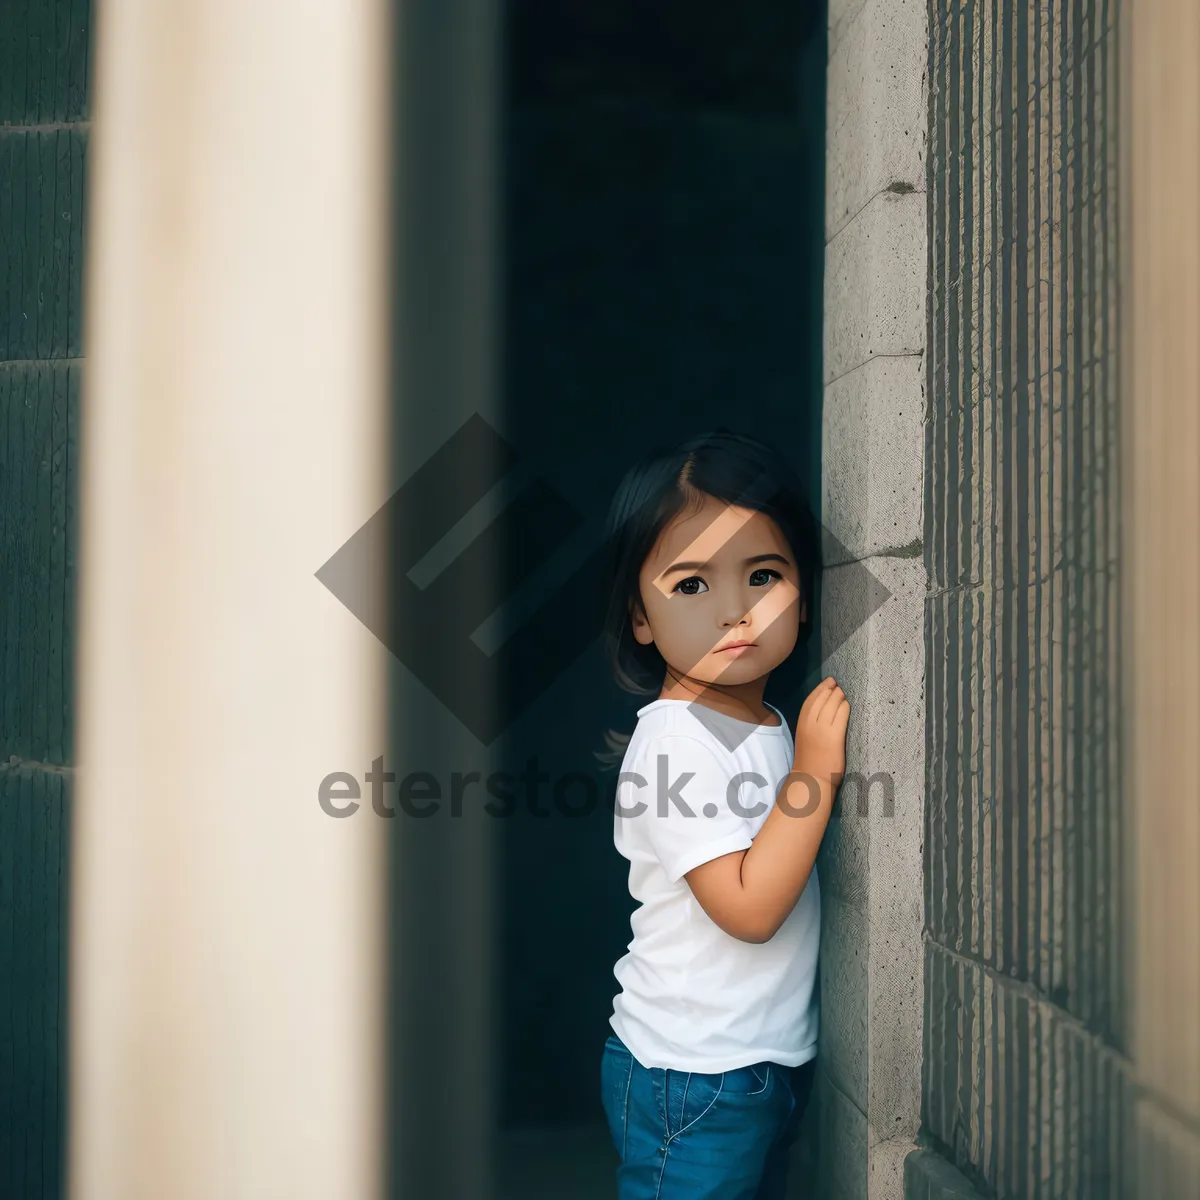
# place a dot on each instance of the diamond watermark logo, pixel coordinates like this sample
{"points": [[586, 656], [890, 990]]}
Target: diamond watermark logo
{"points": [[425, 582]]}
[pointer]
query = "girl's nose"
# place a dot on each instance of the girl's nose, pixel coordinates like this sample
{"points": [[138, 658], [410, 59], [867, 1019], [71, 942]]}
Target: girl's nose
{"points": [[735, 613]]}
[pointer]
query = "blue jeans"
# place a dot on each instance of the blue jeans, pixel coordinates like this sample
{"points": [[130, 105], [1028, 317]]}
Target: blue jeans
{"points": [[687, 1136]]}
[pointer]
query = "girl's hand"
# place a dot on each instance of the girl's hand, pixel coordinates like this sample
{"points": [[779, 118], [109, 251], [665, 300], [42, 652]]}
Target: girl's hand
{"points": [[821, 732], [749, 893]]}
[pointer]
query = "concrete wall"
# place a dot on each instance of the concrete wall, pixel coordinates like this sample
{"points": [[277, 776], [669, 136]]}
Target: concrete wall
{"points": [[44, 109], [1025, 1073], [874, 402]]}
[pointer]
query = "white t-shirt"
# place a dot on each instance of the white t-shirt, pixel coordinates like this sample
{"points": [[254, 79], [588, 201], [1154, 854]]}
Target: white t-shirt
{"points": [[693, 997]]}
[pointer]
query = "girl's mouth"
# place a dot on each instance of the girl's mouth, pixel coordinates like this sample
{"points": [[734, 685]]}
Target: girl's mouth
{"points": [[735, 646]]}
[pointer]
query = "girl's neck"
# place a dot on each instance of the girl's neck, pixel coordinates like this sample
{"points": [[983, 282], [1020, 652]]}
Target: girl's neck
{"points": [[742, 701]]}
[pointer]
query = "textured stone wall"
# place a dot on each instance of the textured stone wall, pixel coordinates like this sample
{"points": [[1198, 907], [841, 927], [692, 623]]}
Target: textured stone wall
{"points": [[43, 144], [870, 865], [1025, 1075]]}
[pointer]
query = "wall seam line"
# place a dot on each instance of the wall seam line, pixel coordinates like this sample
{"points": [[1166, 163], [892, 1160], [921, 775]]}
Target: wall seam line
{"points": [[858, 366], [13, 764], [49, 127]]}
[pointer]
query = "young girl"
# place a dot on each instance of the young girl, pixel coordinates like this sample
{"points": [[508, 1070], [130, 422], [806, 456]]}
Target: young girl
{"points": [[720, 813]]}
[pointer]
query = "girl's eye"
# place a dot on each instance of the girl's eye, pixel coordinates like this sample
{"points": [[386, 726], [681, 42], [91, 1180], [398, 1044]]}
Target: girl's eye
{"points": [[763, 576], [693, 585]]}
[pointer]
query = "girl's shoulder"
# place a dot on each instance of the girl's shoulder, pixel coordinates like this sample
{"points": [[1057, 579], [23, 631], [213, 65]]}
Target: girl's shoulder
{"points": [[668, 718], [665, 721]]}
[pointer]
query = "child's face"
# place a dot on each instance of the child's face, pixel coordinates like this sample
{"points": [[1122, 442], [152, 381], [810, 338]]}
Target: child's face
{"points": [[718, 577]]}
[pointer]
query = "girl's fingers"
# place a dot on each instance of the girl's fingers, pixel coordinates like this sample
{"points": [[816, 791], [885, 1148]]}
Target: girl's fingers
{"points": [[829, 713], [824, 700], [832, 706], [816, 697], [812, 706]]}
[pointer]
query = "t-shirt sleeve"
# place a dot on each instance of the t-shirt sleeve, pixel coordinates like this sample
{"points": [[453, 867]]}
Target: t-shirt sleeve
{"points": [[680, 802]]}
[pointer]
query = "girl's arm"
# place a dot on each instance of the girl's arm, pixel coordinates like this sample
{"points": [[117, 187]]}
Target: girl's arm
{"points": [[749, 893]]}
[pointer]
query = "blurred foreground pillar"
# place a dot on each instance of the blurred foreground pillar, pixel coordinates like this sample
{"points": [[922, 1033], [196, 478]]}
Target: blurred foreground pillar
{"points": [[1162, 433], [227, 946], [446, 928]]}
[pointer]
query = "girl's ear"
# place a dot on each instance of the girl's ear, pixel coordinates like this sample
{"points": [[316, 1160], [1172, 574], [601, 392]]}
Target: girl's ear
{"points": [[641, 627]]}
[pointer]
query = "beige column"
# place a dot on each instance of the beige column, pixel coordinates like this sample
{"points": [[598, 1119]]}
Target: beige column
{"points": [[1162, 581], [226, 956]]}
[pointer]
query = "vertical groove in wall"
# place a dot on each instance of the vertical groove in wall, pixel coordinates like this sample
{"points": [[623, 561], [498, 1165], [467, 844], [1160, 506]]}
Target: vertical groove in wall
{"points": [[931, 1094], [934, 360], [959, 664], [955, 269], [1058, 320], [1041, 815], [1111, 218], [1024, 1075]]}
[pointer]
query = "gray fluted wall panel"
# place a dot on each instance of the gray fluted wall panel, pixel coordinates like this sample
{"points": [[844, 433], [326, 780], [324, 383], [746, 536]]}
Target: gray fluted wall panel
{"points": [[1024, 1077]]}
